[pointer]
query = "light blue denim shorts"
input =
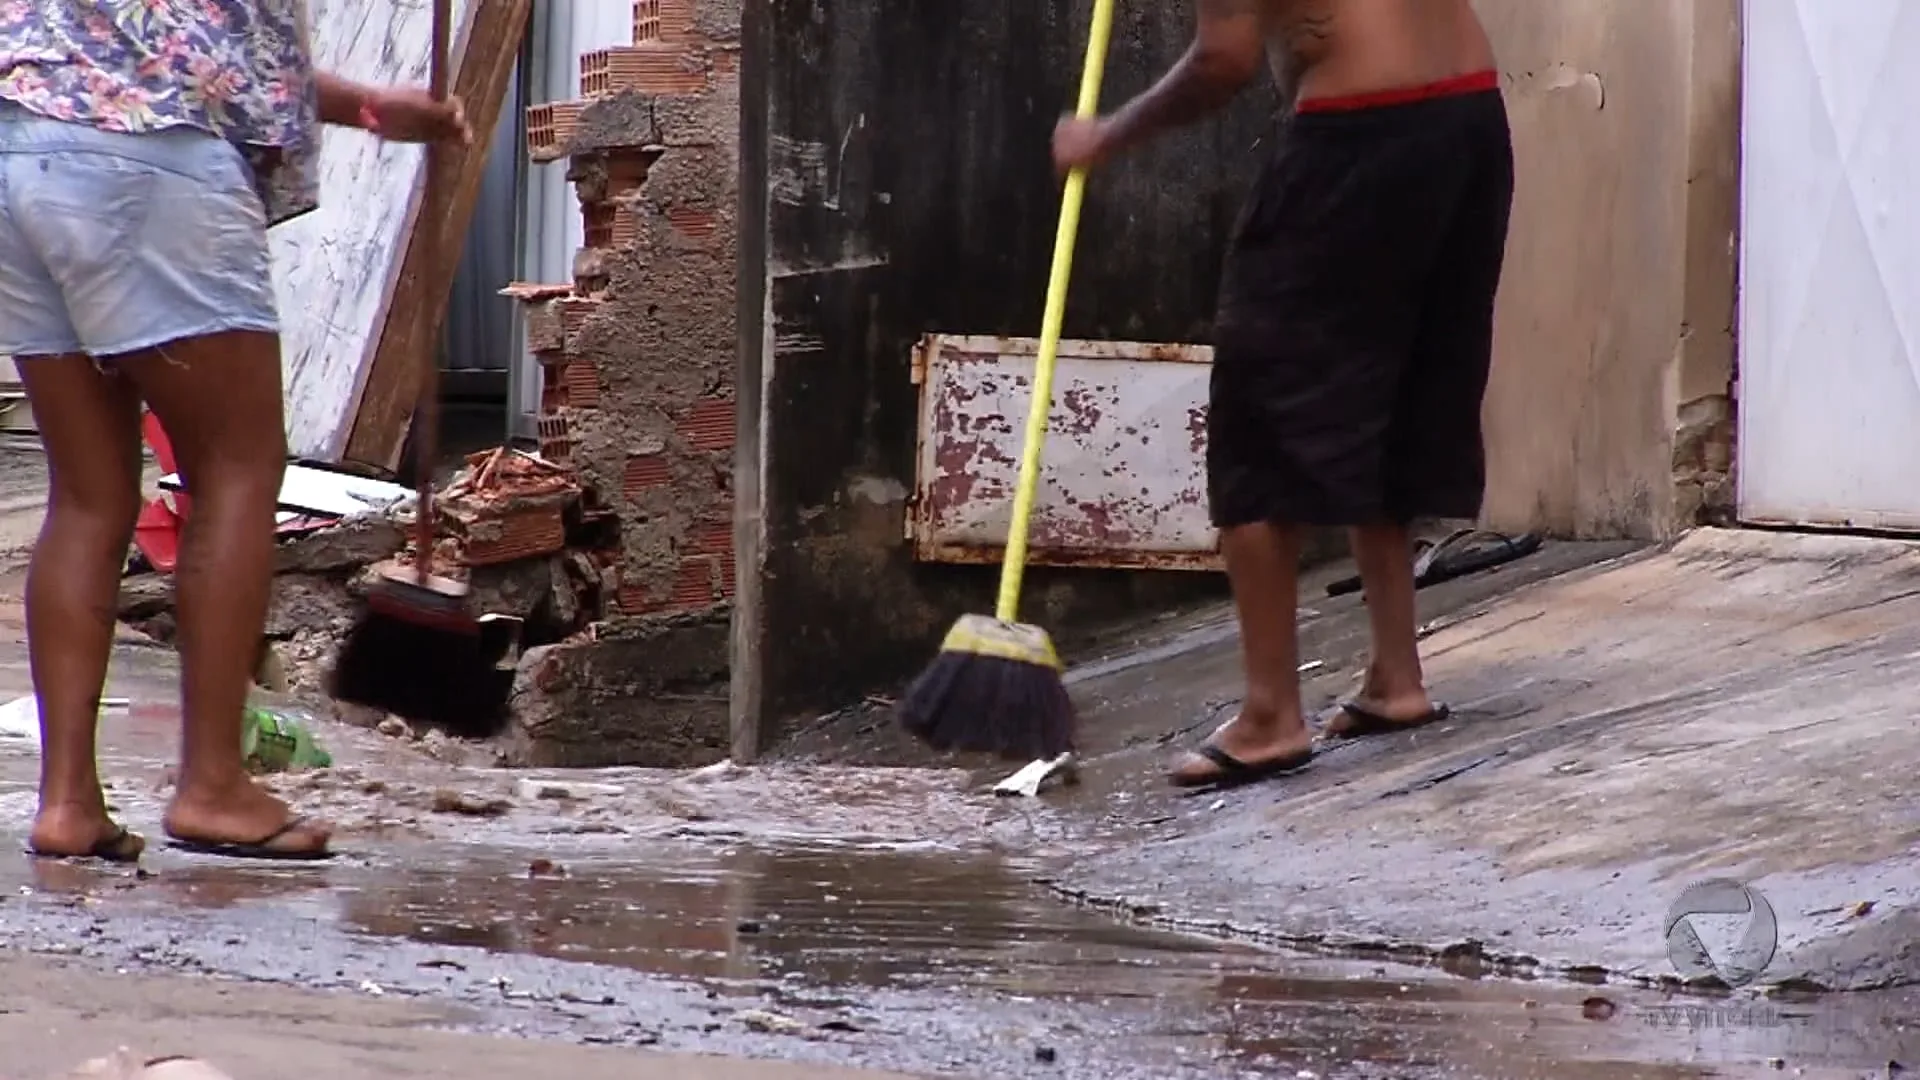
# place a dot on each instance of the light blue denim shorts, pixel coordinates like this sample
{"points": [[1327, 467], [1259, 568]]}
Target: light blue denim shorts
{"points": [[113, 243]]}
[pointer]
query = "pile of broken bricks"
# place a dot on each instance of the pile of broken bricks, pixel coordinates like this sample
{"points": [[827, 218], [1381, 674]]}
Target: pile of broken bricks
{"points": [[511, 523]]}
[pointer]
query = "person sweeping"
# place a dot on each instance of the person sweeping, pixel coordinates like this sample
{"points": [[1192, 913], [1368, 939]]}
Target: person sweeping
{"points": [[145, 148], [996, 685], [1354, 331]]}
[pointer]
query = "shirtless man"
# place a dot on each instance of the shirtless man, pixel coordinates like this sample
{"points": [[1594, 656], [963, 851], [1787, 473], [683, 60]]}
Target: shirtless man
{"points": [[1354, 329]]}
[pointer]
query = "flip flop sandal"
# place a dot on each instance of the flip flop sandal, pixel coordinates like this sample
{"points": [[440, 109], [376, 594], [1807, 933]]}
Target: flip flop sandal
{"points": [[1462, 552], [1235, 773], [259, 849], [119, 847], [1352, 720]]}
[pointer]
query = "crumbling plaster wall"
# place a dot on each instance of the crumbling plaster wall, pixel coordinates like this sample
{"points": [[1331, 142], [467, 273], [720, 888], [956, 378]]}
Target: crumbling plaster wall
{"points": [[638, 362], [1610, 410]]}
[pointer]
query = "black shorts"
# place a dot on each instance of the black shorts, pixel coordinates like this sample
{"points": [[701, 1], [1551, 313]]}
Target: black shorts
{"points": [[1355, 326]]}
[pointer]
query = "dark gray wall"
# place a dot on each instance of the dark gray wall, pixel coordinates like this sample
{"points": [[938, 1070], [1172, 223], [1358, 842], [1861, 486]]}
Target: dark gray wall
{"points": [[907, 187]]}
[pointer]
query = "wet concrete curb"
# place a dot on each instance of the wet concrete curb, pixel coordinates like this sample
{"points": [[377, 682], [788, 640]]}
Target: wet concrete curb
{"points": [[1722, 707]]}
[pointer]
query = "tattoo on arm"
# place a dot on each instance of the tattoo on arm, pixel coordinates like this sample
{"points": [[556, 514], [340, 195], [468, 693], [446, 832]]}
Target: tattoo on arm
{"points": [[1309, 30], [1223, 58]]}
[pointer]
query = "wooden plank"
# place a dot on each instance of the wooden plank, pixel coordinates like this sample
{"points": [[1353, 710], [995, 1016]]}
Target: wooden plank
{"points": [[415, 305], [334, 267]]}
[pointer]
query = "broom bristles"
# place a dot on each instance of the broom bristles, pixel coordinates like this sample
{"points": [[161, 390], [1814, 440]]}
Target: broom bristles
{"points": [[995, 688], [419, 654]]}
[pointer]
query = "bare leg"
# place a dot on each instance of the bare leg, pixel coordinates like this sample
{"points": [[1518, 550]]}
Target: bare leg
{"points": [[1263, 564], [90, 424], [1394, 687], [219, 399]]}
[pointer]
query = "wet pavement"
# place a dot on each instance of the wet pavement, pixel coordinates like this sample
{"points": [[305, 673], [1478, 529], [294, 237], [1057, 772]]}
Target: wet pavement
{"points": [[928, 961], [832, 916]]}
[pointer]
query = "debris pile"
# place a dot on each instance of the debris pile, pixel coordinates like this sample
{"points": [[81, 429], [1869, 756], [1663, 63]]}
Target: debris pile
{"points": [[512, 523]]}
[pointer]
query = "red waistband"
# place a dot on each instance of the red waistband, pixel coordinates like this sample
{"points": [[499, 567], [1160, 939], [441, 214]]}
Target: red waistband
{"points": [[1475, 83]]}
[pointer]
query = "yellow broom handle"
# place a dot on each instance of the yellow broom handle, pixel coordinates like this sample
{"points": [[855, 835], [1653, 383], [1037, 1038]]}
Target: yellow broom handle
{"points": [[1015, 559]]}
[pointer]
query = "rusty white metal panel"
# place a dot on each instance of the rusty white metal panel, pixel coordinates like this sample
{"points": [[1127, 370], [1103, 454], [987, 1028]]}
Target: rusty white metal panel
{"points": [[333, 268], [1122, 482], [1829, 393]]}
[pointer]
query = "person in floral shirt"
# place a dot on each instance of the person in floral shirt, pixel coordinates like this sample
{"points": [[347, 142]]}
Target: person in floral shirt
{"points": [[145, 147]]}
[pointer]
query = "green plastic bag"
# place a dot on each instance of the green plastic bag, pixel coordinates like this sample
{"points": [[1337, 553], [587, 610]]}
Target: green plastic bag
{"points": [[276, 739]]}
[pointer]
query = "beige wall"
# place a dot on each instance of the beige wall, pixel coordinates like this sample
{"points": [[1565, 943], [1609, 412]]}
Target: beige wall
{"points": [[1617, 305]]}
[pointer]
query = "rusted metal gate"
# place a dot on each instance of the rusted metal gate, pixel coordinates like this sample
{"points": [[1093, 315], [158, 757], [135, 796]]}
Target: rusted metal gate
{"points": [[1122, 482]]}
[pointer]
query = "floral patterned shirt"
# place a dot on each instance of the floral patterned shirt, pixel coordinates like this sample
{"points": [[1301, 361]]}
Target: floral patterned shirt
{"points": [[240, 69]]}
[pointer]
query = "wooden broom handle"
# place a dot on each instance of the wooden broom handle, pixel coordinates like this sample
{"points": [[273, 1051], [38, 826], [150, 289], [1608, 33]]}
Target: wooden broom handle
{"points": [[433, 206]]}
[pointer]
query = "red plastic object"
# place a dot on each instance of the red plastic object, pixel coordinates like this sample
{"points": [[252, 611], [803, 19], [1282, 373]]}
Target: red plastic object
{"points": [[157, 531]]}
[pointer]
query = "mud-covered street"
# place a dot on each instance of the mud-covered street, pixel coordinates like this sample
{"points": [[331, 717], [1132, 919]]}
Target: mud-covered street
{"points": [[916, 958], [803, 918], [886, 919]]}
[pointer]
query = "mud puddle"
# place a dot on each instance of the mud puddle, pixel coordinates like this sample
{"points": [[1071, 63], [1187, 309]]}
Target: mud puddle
{"points": [[916, 959]]}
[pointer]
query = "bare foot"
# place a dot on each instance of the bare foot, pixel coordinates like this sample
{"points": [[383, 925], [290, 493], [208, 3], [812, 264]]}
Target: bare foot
{"points": [[82, 831], [1251, 743], [1384, 703], [244, 815]]}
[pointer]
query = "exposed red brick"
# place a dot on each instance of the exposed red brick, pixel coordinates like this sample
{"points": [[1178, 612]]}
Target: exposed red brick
{"points": [[726, 575], [556, 439], [524, 533], [631, 600], [627, 170], [574, 311], [533, 292], [550, 128], [694, 584], [676, 19], [726, 62], [626, 226], [645, 471], [711, 538], [583, 385], [657, 68], [692, 222], [709, 425], [646, 21], [596, 220], [610, 225], [568, 384]]}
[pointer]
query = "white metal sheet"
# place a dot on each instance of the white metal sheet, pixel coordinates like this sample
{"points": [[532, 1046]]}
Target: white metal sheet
{"points": [[1829, 385], [1122, 482], [332, 268]]}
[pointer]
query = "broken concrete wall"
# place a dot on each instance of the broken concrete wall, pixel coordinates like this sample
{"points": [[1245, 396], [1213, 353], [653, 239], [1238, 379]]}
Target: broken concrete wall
{"points": [[900, 153], [638, 356], [1610, 410]]}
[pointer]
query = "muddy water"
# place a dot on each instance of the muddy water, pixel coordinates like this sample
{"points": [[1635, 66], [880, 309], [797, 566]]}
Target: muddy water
{"points": [[922, 960]]}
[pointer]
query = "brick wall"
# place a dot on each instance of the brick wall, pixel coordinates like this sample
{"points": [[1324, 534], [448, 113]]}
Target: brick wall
{"points": [[638, 351]]}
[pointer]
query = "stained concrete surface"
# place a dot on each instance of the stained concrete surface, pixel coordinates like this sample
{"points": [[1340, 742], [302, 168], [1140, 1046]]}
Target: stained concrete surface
{"points": [[55, 1013], [1740, 705], [840, 917]]}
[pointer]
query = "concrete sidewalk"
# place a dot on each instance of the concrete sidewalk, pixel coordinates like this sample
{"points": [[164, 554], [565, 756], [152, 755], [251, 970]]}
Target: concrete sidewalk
{"points": [[54, 1016], [1742, 705]]}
